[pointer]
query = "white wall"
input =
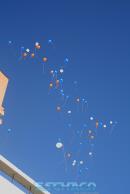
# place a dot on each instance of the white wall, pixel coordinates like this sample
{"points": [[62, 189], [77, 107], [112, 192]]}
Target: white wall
{"points": [[7, 187]]}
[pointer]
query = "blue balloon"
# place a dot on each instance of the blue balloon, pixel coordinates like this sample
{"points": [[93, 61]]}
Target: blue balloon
{"points": [[49, 41], [61, 80], [10, 42], [66, 60], [9, 130]]}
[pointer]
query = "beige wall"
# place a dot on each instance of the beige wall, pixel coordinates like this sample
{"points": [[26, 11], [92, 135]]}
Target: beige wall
{"points": [[7, 187]]}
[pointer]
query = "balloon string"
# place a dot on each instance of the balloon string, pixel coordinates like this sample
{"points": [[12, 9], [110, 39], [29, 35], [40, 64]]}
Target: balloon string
{"points": [[43, 68]]}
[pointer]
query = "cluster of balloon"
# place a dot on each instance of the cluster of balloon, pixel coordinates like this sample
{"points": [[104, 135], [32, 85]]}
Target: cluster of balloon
{"points": [[80, 135]]}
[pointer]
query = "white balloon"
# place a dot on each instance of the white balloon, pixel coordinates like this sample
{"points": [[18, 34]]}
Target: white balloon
{"points": [[1, 121], [90, 153], [61, 70], [37, 43], [81, 162], [27, 50], [59, 145], [74, 163], [69, 111]]}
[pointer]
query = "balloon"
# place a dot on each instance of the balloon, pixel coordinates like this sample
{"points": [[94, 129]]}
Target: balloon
{"points": [[27, 50], [57, 81], [56, 71], [90, 131], [66, 60], [69, 125], [44, 59], [69, 112], [68, 155], [22, 48], [81, 162], [75, 82], [49, 41], [24, 54], [58, 108], [74, 162], [9, 130], [1, 121], [92, 136], [51, 71], [32, 55], [61, 70], [90, 153], [51, 85], [61, 80], [59, 145], [37, 43], [78, 100], [38, 47], [97, 124]]}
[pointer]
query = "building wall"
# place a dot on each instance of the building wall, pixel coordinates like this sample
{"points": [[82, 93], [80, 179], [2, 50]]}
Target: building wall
{"points": [[7, 187]]}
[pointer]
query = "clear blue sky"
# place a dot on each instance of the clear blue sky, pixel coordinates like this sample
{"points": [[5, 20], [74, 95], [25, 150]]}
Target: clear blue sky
{"points": [[94, 35]]}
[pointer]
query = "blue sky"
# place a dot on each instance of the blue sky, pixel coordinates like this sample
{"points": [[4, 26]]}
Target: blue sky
{"points": [[95, 37]]}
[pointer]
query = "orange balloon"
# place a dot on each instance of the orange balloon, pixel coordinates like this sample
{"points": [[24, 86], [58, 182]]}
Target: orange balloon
{"points": [[57, 81], [45, 59], [97, 124], [32, 55], [24, 54], [38, 46]]}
